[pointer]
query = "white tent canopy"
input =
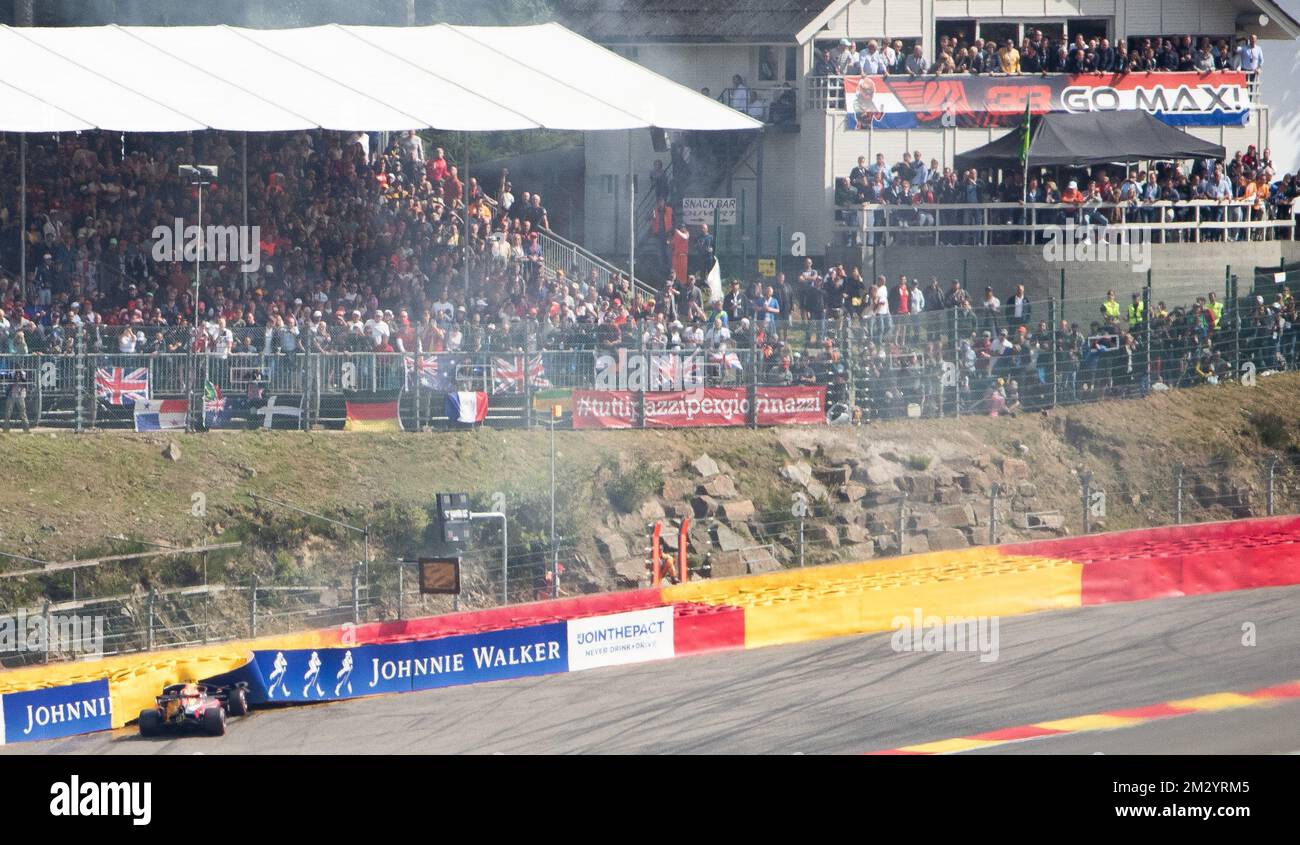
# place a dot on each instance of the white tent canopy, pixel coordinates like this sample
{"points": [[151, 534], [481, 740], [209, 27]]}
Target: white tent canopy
{"points": [[178, 79]]}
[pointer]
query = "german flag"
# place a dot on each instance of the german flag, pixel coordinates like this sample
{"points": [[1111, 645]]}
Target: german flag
{"points": [[372, 411]]}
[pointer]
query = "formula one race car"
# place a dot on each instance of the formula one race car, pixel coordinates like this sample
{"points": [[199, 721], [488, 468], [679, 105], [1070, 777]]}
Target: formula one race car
{"points": [[194, 707]]}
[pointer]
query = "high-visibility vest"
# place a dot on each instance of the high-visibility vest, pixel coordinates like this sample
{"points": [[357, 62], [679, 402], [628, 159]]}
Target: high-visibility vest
{"points": [[1135, 313], [1112, 309], [1217, 308]]}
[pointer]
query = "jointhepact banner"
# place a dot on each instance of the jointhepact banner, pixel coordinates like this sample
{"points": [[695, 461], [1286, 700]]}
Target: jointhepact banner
{"points": [[621, 638], [1218, 98]]}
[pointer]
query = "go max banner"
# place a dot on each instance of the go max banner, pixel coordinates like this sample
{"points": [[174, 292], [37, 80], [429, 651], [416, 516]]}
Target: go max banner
{"points": [[55, 712], [301, 675], [1218, 98]]}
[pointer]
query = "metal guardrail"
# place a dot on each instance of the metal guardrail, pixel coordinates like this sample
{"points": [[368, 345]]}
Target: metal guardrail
{"points": [[1190, 221], [772, 104], [579, 264]]}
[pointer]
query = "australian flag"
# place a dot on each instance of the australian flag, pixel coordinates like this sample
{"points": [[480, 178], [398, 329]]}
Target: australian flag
{"points": [[436, 372], [217, 408]]}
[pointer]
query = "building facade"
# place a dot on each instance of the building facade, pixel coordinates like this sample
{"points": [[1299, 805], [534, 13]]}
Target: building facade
{"points": [[783, 182]]}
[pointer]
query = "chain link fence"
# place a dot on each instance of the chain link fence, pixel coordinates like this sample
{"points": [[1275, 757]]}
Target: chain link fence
{"points": [[938, 363]]}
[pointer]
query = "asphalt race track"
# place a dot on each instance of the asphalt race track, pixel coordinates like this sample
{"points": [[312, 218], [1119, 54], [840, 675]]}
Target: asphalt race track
{"points": [[834, 696]]}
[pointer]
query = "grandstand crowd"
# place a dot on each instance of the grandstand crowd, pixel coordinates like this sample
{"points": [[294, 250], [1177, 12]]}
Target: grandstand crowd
{"points": [[359, 251], [362, 252], [1096, 197], [1040, 53]]}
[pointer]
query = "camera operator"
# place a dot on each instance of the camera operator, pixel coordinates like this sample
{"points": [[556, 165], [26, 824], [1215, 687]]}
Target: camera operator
{"points": [[16, 397]]}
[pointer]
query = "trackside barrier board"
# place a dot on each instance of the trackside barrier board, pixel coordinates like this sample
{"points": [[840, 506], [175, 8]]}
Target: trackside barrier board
{"points": [[334, 673], [55, 712], [822, 601], [621, 638]]}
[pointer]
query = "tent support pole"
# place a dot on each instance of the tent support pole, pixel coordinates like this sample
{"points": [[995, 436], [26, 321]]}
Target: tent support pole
{"points": [[243, 157], [22, 218], [464, 204], [631, 214]]}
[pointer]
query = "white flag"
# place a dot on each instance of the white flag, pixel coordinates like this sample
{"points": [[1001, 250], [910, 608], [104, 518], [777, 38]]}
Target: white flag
{"points": [[715, 282]]}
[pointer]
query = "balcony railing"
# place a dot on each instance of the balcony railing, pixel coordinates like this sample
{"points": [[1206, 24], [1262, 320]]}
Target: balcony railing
{"points": [[772, 104], [981, 224]]}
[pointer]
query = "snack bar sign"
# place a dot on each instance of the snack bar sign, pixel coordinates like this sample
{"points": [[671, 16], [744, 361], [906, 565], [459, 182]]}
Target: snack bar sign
{"points": [[697, 210]]}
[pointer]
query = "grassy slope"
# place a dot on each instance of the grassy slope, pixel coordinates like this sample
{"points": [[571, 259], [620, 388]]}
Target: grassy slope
{"points": [[66, 494]]}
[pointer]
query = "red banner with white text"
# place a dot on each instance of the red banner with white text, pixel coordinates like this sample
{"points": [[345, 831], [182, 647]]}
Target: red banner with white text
{"points": [[709, 406], [706, 407], [604, 408], [791, 405]]}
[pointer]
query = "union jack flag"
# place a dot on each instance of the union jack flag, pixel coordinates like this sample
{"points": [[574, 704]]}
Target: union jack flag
{"points": [[118, 386], [671, 371], [508, 374], [729, 360]]}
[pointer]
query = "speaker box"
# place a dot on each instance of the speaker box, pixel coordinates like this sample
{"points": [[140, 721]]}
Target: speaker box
{"points": [[658, 139]]}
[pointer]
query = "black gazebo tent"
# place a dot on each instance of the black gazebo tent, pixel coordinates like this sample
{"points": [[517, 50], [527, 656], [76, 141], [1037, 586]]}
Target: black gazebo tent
{"points": [[1078, 140]]}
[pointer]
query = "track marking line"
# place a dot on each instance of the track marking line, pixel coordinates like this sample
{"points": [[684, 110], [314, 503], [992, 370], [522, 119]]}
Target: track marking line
{"points": [[1105, 721]]}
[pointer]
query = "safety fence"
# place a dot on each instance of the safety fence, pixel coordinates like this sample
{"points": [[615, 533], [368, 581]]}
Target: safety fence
{"points": [[988, 358]]}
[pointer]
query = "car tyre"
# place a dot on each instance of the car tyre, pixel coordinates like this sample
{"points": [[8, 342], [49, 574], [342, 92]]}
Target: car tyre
{"points": [[237, 702], [214, 721], [150, 723]]}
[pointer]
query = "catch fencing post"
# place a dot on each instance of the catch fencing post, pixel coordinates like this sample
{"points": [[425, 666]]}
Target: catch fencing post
{"points": [[356, 594], [80, 370], [48, 623], [401, 588], [902, 522], [153, 596], [1272, 475], [1178, 494], [956, 359], [1055, 324], [801, 518], [1146, 317], [252, 606], [1086, 478], [994, 491]]}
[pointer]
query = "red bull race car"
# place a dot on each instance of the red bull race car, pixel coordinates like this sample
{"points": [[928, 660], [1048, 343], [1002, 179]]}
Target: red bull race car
{"points": [[198, 708]]}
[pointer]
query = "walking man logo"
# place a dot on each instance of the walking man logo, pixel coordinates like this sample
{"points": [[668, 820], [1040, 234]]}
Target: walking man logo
{"points": [[279, 668], [312, 677], [344, 675]]}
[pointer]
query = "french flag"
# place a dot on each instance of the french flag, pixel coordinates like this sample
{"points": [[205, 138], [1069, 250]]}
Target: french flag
{"points": [[161, 414], [467, 406]]}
